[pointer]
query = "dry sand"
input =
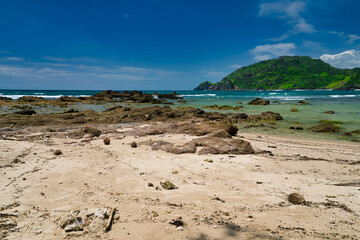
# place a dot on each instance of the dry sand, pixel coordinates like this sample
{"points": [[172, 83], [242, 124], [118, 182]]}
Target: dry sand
{"points": [[233, 197]]}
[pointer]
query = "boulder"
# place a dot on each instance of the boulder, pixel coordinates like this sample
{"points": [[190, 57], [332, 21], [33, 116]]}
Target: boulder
{"points": [[228, 127], [92, 131], [259, 101]]}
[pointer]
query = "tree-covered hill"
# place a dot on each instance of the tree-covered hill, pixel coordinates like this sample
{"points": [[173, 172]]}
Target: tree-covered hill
{"points": [[287, 73]]}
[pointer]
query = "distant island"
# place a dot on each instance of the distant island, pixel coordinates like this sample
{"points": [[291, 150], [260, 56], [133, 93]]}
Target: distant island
{"points": [[287, 73]]}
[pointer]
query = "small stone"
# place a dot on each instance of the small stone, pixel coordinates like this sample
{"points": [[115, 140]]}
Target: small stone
{"points": [[133, 145], [73, 227], [208, 160], [180, 228], [168, 185], [150, 184], [58, 152], [107, 141], [158, 188], [294, 110], [296, 198]]}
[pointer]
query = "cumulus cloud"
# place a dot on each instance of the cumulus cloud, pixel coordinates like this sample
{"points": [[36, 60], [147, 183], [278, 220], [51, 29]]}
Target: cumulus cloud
{"points": [[348, 59], [290, 11], [268, 51], [353, 38]]}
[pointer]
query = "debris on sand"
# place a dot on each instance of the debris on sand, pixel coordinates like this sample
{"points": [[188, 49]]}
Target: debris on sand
{"points": [[167, 185], [296, 198], [177, 222]]}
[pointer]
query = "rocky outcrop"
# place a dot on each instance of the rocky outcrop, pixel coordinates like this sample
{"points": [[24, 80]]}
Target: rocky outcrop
{"points": [[259, 101], [325, 128], [210, 145]]}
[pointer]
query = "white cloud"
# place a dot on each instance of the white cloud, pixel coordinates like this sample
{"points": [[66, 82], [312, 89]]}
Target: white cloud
{"points": [[13, 58], [50, 71], [268, 51], [348, 59], [289, 11], [353, 38], [235, 66]]}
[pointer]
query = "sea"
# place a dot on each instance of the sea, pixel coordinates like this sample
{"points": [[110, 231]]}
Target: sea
{"points": [[345, 104]]}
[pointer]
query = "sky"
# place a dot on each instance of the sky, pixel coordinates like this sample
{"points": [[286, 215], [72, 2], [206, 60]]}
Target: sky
{"points": [[165, 45]]}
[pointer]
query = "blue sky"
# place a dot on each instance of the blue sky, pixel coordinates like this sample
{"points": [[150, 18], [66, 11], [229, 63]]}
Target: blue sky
{"points": [[93, 44]]}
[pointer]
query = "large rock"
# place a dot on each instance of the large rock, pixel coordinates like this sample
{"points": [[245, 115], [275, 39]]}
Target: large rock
{"points": [[92, 131], [326, 128], [259, 101], [215, 145]]}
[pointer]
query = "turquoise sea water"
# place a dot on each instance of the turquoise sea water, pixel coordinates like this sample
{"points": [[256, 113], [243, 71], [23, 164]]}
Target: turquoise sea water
{"points": [[346, 105]]}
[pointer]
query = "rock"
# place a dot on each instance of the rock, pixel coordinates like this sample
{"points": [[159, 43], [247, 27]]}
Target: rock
{"points": [[167, 185], [26, 112], [73, 227], [213, 145], [302, 103], [150, 184], [92, 131], [294, 110], [186, 148], [357, 131], [347, 134], [71, 110], [58, 152], [330, 112], [133, 145], [30, 99], [158, 188], [325, 127], [254, 125], [221, 133], [296, 128], [259, 101], [76, 133], [107, 141], [209, 160], [230, 128], [296, 198]]}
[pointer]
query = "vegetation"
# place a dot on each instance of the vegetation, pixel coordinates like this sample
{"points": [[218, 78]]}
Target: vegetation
{"points": [[287, 73]]}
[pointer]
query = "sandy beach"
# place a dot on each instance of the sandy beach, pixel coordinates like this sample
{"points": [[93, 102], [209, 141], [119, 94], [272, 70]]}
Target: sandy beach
{"points": [[222, 196]]}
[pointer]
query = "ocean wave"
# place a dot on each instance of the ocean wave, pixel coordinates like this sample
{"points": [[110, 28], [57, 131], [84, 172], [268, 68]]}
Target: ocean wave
{"points": [[286, 98], [339, 96], [43, 96], [198, 95]]}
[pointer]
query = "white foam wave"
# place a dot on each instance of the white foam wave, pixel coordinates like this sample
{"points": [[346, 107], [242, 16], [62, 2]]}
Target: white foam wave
{"points": [[199, 95], [43, 96], [339, 96]]}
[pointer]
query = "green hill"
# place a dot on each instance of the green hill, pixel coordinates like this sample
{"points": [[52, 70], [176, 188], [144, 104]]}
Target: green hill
{"points": [[287, 73]]}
